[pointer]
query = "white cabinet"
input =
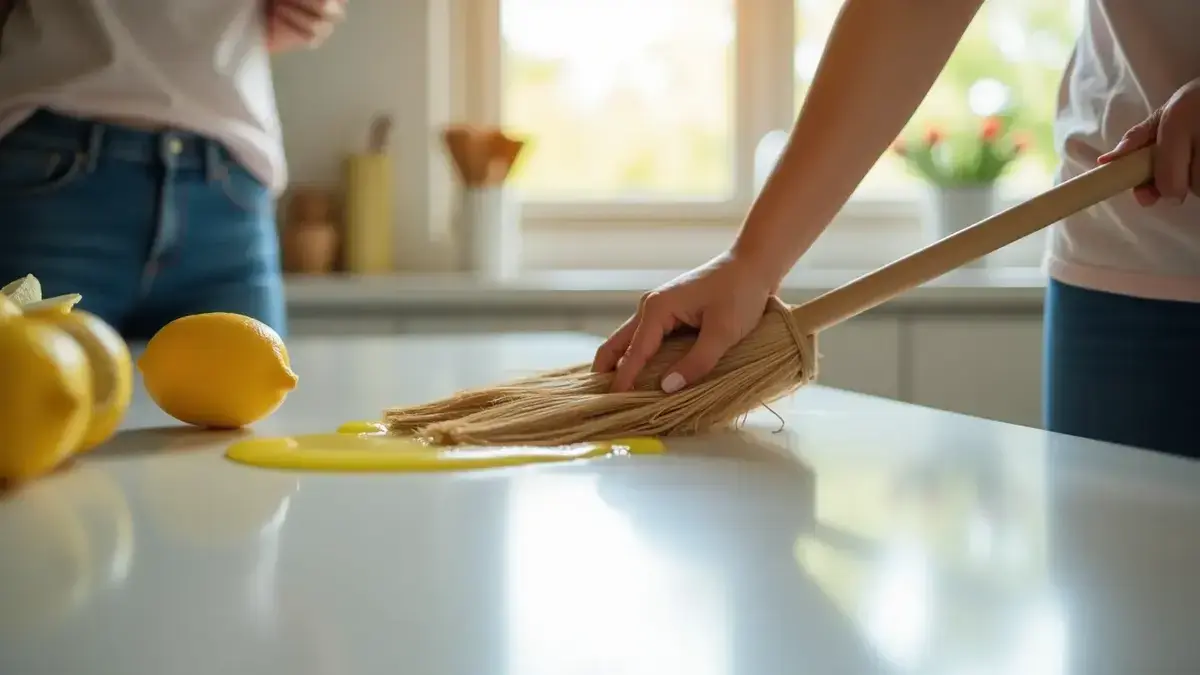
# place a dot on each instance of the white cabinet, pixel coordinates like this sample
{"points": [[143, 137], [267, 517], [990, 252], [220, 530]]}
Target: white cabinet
{"points": [[342, 325], [602, 325], [486, 323], [862, 355], [987, 366]]}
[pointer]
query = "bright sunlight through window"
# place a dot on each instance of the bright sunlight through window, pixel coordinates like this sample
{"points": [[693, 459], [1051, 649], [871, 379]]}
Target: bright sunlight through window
{"points": [[625, 99], [633, 100], [1010, 61]]}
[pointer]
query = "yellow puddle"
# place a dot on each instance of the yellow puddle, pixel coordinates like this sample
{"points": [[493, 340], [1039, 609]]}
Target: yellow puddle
{"points": [[365, 446]]}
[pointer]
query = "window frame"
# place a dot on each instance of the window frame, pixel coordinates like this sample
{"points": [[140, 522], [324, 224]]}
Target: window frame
{"points": [[678, 234]]}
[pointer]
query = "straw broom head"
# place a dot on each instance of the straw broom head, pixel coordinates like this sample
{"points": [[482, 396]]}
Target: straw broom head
{"points": [[574, 404]]}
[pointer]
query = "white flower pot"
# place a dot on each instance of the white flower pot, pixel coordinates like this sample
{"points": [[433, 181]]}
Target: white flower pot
{"points": [[950, 209]]}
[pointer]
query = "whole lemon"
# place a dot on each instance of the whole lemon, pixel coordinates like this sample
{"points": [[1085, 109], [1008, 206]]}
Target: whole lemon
{"points": [[217, 370], [45, 398], [112, 371]]}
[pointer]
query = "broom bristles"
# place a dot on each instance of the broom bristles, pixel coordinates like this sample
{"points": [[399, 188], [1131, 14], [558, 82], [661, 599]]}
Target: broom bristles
{"points": [[573, 404]]}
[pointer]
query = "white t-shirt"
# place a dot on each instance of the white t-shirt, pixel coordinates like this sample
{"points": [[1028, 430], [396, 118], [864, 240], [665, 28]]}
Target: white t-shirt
{"points": [[1132, 55], [198, 65]]}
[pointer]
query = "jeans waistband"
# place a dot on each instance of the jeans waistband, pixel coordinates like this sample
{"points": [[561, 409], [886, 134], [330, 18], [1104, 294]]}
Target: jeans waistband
{"points": [[95, 139]]}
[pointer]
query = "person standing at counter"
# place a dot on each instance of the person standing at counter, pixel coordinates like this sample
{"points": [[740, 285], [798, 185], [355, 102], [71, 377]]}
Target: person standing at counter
{"points": [[141, 152], [1122, 308]]}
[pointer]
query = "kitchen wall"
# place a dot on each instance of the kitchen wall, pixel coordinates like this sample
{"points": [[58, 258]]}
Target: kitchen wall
{"points": [[383, 59]]}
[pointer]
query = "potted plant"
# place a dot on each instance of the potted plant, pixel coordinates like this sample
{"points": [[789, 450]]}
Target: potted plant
{"points": [[961, 170]]}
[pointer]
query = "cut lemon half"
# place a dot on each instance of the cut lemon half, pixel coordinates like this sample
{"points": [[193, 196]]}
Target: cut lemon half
{"points": [[59, 304], [23, 291]]}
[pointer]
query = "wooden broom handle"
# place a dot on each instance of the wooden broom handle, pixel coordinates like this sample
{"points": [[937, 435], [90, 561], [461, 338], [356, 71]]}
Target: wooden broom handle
{"points": [[986, 236]]}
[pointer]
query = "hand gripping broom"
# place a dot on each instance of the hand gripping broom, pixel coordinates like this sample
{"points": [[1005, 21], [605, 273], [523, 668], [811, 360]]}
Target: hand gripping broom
{"points": [[573, 404]]}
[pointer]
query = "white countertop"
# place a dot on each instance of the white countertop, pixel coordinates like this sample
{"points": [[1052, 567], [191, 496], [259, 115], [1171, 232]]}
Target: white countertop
{"points": [[981, 289], [866, 536]]}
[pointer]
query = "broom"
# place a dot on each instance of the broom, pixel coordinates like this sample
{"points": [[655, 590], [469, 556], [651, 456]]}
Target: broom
{"points": [[573, 404]]}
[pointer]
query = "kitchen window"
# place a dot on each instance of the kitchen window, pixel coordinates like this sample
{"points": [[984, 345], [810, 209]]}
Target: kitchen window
{"points": [[652, 122]]}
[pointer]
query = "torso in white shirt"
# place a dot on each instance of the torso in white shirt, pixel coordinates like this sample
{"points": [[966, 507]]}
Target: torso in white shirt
{"points": [[199, 65], [1130, 58]]}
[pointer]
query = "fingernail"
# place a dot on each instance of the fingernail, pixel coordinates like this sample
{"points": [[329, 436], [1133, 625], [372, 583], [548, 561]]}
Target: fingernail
{"points": [[673, 383]]}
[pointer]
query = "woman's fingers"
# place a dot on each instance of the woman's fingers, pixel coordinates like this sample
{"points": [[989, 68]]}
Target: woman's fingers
{"points": [[301, 24], [1173, 156], [306, 21], [1146, 195], [716, 337], [1173, 130], [1138, 137], [614, 347], [724, 299], [316, 10], [655, 323]]}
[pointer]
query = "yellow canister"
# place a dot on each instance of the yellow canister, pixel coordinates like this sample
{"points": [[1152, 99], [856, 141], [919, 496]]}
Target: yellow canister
{"points": [[367, 245]]}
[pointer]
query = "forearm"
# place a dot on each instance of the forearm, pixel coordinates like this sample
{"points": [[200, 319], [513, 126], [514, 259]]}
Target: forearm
{"points": [[855, 107]]}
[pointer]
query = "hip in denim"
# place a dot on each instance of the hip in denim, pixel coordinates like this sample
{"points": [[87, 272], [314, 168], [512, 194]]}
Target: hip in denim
{"points": [[147, 225], [1122, 369]]}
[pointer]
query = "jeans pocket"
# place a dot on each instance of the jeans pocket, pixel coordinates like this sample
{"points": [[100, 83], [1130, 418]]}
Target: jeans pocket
{"points": [[38, 171], [241, 187]]}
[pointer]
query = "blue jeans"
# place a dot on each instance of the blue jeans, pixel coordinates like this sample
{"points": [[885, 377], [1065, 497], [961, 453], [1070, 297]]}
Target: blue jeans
{"points": [[146, 226], [1122, 369]]}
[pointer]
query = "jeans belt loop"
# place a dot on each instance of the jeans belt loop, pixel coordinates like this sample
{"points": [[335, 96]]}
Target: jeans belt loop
{"points": [[213, 167], [95, 145]]}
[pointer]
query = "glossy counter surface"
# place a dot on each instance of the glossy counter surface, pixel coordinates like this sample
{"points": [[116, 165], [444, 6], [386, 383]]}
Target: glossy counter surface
{"points": [[866, 536]]}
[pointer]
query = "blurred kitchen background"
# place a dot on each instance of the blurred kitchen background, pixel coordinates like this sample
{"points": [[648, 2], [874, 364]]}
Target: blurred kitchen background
{"points": [[535, 165]]}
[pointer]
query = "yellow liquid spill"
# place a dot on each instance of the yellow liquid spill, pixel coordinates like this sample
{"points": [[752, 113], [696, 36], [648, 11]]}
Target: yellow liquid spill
{"points": [[362, 428], [365, 446]]}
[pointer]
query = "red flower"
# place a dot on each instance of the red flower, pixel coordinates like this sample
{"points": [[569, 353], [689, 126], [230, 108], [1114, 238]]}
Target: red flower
{"points": [[899, 148], [991, 129], [933, 136], [1021, 143]]}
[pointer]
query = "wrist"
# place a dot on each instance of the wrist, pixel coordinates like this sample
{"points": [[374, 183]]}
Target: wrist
{"points": [[768, 250], [757, 265], [783, 223]]}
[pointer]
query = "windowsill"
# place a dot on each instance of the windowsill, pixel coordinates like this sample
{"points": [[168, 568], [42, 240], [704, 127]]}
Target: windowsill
{"points": [[610, 291], [600, 263], [865, 235]]}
